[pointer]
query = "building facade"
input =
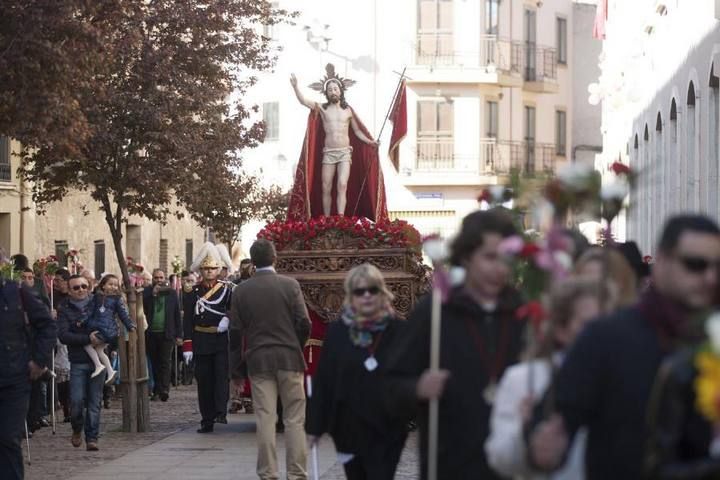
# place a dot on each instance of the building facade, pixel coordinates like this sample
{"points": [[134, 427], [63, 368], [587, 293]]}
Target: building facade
{"points": [[661, 107], [491, 89], [77, 223]]}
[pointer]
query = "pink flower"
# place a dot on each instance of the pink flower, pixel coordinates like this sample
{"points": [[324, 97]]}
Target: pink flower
{"points": [[511, 245]]}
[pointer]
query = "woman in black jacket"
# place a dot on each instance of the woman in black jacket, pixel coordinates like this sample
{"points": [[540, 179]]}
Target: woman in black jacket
{"points": [[347, 396]]}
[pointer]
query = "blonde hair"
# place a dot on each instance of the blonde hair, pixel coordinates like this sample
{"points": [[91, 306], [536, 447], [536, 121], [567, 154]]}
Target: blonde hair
{"points": [[561, 305], [622, 281], [372, 276]]}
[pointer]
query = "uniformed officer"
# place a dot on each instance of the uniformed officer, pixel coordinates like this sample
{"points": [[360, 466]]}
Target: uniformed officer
{"points": [[206, 335], [22, 357]]}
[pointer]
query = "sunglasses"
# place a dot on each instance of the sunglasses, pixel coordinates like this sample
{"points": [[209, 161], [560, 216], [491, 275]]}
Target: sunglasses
{"points": [[698, 264], [80, 287], [359, 292]]}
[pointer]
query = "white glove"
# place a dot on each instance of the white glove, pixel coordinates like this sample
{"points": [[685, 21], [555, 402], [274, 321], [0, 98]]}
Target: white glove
{"points": [[188, 357], [223, 325]]}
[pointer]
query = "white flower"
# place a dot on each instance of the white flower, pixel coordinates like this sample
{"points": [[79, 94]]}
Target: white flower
{"points": [[614, 191], [563, 259], [457, 275], [712, 328], [435, 248], [575, 174]]}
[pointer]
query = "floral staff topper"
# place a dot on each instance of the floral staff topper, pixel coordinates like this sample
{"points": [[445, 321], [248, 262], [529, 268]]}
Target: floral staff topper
{"points": [[495, 195]]}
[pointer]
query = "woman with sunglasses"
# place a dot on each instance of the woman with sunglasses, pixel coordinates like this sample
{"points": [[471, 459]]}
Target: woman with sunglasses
{"points": [[347, 396]]}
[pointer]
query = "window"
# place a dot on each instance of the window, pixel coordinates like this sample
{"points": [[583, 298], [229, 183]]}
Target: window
{"points": [[5, 174], [99, 258], [560, 132], [491, 17], [529, 139], [492, 119], [164, 255], [61, 249], [188, 253], [561, 38], [435, 32], [692, 176], [711, 187], [272, 120], [530, 44], [435, 134]]}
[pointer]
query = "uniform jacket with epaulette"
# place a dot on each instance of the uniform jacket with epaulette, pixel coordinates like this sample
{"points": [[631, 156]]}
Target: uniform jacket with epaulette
{"points": [[204, 309]]}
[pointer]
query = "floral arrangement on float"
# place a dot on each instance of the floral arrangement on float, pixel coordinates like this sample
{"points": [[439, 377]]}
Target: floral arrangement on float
{"points": [[369, 234], [72, 255]]}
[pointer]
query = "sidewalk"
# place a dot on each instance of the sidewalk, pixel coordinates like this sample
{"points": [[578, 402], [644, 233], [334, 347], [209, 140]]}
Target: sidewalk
{"points": [[229, 452]]}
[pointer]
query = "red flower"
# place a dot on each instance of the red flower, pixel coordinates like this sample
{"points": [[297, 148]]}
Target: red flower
{"points": [[620, 168], [648, 259], [485, 196], [529, 250], [533, 311]]}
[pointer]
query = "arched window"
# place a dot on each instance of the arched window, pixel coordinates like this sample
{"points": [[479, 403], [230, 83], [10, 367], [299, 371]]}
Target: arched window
{"points": [[645, 193], [713, 157], [692, 178], [673, 163], [658, 176]]}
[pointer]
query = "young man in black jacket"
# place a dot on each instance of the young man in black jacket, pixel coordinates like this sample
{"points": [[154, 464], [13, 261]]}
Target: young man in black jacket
{"points": [[481, 336], [21, 359], [606, 380]]}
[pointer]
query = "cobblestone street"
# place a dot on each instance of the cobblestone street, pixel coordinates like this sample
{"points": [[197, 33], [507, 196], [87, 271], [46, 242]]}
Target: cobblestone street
{"points": [[171, 450]]}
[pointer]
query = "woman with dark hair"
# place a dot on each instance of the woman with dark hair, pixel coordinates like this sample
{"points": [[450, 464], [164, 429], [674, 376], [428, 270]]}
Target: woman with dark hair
{"points": [[347, 397]]}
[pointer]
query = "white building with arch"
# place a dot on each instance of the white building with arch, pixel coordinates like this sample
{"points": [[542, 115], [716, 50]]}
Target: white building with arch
{"points": [[661, 108]]}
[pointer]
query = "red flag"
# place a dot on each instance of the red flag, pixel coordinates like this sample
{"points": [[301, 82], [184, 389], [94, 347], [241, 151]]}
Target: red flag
{"points": [[601, 15], [398, 116]]}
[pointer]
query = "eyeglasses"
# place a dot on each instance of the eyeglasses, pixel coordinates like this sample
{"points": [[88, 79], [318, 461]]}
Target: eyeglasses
{"points": [[80, 287], [698, 264], [359, 292]]}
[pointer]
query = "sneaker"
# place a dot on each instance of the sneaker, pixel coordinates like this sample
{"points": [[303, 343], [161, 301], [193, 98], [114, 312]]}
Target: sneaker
{"points": [[164, 397], [111, 377], [106, 403], [92, 446], [98, 370], [76, 439]]}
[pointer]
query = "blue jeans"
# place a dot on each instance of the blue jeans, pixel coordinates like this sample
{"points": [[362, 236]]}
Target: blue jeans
{"points": [[85, 400]]}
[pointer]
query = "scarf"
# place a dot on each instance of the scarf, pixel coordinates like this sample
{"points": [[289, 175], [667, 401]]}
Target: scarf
{"points": [[362, 328], [670, 319]]}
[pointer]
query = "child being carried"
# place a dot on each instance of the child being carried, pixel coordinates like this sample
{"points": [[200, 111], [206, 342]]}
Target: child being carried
{"points": [[108, 303]]}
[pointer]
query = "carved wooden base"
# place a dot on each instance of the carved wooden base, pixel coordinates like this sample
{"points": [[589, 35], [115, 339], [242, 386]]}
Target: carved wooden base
{"points": [[321, 274]]}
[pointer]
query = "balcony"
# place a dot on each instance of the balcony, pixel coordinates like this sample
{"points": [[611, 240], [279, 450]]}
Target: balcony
{"points": [[439, 163], [436, 60], [539, 67]]}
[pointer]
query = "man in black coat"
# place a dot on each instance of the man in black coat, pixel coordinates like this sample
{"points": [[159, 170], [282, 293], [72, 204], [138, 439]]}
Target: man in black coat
{"points": [[606, 380], [162, 312], [22, 359], [481, 336]]}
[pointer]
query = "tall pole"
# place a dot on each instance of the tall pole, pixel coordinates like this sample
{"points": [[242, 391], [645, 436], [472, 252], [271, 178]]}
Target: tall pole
{"points": [[434, 411]]}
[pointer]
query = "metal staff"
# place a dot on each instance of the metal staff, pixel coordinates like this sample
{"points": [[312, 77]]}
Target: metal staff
{"points": [[52, 392], [27, 439], [314, 451], [387, 115]]}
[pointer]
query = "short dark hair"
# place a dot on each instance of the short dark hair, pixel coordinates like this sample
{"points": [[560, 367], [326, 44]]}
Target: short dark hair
{"points": [[262, 253], [20, 262], [184, 273], [28, 270], [63, 273], [75, 277], [475, 226], [245, 261], [106, 278], [677, 225]]}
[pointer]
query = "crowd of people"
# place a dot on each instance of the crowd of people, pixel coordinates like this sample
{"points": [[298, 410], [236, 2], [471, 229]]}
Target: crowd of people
{"points": [[572, 402]]}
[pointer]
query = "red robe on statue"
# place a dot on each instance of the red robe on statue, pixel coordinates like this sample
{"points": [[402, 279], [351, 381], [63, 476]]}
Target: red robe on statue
{"points": [[366, 188]]}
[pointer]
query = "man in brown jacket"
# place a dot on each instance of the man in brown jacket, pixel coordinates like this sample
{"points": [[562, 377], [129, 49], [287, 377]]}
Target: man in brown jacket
{"points": [[269, 311]]}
